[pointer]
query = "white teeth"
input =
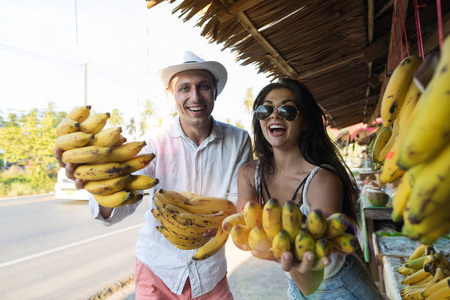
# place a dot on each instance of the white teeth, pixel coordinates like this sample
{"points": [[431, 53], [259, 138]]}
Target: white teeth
{"points": [[195, 108], [275, 126]]}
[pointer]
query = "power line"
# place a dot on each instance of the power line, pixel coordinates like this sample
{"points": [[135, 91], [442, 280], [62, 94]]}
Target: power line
{"points": [[37, 55]]}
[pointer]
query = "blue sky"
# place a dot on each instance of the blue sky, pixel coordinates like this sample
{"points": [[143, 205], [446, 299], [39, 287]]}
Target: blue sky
{"points": [[44, 46]]}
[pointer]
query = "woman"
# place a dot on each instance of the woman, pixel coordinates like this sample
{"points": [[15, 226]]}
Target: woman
{"points": [[297, 161]]}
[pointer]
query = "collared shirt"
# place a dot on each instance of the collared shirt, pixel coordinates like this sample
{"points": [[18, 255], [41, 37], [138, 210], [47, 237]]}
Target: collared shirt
{"points": [[210, 169]]}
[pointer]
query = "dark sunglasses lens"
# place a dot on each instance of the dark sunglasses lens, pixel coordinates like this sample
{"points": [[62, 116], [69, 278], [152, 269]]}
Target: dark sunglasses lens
{"points": [[263, 112], [288, 112]]}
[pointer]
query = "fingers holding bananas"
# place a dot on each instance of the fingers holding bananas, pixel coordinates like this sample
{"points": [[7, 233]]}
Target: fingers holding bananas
{"points": [[101, 158]]}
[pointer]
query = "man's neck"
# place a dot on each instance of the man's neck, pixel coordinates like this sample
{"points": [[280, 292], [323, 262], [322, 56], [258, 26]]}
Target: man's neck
{"points": [[197, 134]]}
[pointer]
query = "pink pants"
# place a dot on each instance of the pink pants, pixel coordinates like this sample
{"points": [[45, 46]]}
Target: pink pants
{"points": [[148, 286]]}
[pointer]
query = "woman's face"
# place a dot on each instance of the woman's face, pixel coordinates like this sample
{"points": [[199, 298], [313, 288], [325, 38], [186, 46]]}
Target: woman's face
{"points": [[278, 131]]}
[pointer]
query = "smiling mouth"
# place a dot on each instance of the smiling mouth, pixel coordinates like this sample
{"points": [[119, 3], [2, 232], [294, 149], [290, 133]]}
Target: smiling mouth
{"points": [[196, 108], [277, 129]]}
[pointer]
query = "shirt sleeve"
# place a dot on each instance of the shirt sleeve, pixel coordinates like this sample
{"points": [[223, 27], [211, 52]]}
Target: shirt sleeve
{"points": [[244, 155]]}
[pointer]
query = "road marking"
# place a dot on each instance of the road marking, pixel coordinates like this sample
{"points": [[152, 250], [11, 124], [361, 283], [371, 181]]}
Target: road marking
{"points": [[16, 261]]}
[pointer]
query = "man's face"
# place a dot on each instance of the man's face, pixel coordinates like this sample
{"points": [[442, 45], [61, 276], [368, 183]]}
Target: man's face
{"points": [[194, 93]]}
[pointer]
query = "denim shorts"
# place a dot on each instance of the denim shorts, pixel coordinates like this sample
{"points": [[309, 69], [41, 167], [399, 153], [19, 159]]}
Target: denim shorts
{"points": [[352, 282]]}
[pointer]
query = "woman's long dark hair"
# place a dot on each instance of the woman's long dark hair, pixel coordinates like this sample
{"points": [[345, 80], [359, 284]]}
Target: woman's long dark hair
{"points": [[314, 143]]}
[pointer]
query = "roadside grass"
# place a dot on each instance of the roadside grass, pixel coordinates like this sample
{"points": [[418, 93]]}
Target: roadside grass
{"points": [[16, 181]]}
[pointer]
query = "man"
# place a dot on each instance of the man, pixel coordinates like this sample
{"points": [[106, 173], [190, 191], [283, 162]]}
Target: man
{"points": [[196, 154]]}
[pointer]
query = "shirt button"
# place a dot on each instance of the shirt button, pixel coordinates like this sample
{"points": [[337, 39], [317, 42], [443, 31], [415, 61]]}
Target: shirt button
{"points": [[190, 263]]}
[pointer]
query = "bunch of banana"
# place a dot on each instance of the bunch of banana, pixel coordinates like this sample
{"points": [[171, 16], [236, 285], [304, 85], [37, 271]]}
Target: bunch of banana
{"points": [[425, 271], [186, 218], [272, 230], [105, 161]]}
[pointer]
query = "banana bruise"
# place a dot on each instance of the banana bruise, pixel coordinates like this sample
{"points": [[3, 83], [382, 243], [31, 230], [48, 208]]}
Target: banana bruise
{"points": [[257, 239], [413, 173], [304, 242], [171, 225], [337, 224], [239, 236], [206, 221], [141, 182], [87, 154], [396, 88], [170, 197], [213, 246], [431, 190], [107, 137], [116, 199], [345, 242], [281, 243], [232, 220], [381, 140], [79, 113], [428, 133], [168, 220], [291, 219], [139, 162], [400, 199], [316, 223], [271, 218], [123, 152], [67, 126], [252, 214], [107, 186], [99, 171], [322, 248], [73, 140], [94, 123]]}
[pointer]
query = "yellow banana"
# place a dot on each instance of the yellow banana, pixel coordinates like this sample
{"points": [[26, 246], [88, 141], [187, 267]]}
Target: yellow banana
{"points": [[281, 243], [431, 290], [391, 171], [207, 221], [427, 225], [404, 270], [73, 140], [239, 235], [257, 239], [413, 172], [412, 97], [180, 241], [443, 293], [164, 217], [141, 182], [390, 142], [316, 223], [123, 152], [232, 220], [139, 162], [271, 218], [213, 246], [115, 199], [418, 252], [107, 186], [439, 275], [107, 137], [322, 248], [67, 126], [396, 88], [345, 242], [291, 219], [415, 277], [170, 197], [303, 242], [79, 113], [87, 154], [100, 171], [432, 188], [209, 205], [122, 140], [430, 237], [400, 199], [252, 214], [429, 132], [337, 224], [381, 140], [94, 123]]}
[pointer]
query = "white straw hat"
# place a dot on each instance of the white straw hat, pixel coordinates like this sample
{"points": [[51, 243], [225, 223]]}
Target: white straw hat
{"points": [[191, 61]]}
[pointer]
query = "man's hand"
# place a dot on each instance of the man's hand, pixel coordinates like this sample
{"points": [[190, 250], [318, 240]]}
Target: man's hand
{"points": [[69, 169]]}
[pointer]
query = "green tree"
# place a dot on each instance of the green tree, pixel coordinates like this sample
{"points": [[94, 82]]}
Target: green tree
{"points": [[130, 128], [115, 119], [248, 100]]}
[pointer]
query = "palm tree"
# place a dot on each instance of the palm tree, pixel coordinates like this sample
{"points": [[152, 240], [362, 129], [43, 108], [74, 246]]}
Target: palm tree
{"points": [[131, 127], [248, 100], [148, 111], [115, 118]]}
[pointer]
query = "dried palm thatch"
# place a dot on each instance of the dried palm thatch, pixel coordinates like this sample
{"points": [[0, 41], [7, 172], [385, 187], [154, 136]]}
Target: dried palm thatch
{"points": [[344, 50]]}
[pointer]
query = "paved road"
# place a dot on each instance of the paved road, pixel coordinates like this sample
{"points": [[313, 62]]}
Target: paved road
{"points": [[53, 249]]}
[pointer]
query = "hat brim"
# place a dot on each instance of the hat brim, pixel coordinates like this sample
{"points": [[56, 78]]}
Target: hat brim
{"points": [[215, 68]]}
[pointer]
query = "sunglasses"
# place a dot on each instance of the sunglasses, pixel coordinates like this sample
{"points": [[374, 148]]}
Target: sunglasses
{"points": [[287, 112]]}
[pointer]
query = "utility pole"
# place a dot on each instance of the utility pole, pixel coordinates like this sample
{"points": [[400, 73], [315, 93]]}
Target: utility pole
{"points": [[85, 84]]}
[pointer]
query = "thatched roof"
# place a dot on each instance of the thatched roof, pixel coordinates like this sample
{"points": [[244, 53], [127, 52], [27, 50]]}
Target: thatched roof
{"points": [[344, 50]]}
